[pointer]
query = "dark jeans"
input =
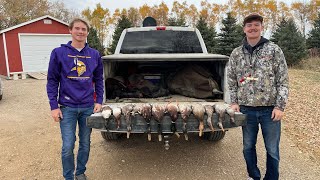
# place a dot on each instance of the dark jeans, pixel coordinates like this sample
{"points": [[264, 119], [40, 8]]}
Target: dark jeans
{"points": [[72, 116], [271, 131]]}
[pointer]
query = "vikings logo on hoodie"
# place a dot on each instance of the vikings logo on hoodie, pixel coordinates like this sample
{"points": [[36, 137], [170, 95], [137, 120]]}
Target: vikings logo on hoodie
{"points": [[80, 67]]}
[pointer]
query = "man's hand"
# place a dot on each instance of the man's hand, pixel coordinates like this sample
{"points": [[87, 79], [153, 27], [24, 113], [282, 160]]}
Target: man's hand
{"points": [[235, 107], [57, 115], [276, 114], [97, 108]]}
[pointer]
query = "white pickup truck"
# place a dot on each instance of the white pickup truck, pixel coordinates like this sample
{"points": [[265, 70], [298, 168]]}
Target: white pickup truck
{"points": [[162, 81]]}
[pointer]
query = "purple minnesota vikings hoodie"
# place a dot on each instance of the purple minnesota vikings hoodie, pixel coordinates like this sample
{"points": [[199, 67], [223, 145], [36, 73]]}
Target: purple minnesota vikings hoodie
{"points": [[75, 75]]}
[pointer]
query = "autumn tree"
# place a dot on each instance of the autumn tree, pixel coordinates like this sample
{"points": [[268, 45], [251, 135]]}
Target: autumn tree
{"points": [[99, 19], [134, 16], [115, 16], [183, 13], [124, 12], [284, 11], [160, 13], [94, 41], [145, 11], [314, 8], [230, 37], [192, 15], [179, 11], [122, 24], [252, 6], [291, 41], [13, 12], [236, 9], [313, 40], [271, 14], [172, 21], [59, 10], [208, 34], [302, 13], [210, 12]]}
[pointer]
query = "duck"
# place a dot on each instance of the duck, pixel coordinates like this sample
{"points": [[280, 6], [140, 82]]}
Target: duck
{"points": [[173, 109], [106, 112], [209, 111], [117, 116], [145, 110], [198, 111], [158, 111], [231, 113], [185, 111], [220, 109], [126, 110]]}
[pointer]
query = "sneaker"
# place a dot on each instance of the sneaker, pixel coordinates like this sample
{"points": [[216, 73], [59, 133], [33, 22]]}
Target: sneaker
{"points": [[81, 177]]}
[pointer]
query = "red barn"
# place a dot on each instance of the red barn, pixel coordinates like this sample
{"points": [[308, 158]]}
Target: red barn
{"points": [[27, 47]]}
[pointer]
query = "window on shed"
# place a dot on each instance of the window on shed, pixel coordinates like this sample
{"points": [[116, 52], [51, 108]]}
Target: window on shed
{"points": [[47, 21]]}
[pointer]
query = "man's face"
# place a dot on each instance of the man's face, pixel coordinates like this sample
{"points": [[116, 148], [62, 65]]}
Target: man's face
{"points": [[79, 32], [253, 29]]}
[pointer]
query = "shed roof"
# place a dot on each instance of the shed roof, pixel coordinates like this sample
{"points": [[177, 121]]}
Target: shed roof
{"points": [[32, 21]]}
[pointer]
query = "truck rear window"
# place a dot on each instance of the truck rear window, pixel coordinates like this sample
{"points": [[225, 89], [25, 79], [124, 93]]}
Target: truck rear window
{"points": [[145, 42]]}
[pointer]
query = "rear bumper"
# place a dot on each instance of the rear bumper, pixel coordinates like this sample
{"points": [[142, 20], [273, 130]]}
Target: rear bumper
{"points": [[139, 125]]}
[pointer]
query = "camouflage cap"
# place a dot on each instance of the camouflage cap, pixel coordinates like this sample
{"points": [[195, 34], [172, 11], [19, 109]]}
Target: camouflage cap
{"points": [[252, 16]]}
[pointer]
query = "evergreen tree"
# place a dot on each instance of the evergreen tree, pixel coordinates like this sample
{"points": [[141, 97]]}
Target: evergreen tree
{"points": [[208, 34], [122, 24], [291, 41], [94, 41], [230, 37], [314, 36]]}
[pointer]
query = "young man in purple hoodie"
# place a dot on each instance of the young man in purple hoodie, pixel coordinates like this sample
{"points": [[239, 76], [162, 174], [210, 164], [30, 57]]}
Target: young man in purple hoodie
{"points": [[75, 72]]}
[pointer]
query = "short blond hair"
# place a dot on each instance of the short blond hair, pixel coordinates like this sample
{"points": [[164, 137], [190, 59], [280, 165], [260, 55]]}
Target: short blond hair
{"points": [[79, 20]]}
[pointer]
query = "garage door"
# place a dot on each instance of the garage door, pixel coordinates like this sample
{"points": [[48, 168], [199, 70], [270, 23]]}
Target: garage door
{"points": [[36, 50]]}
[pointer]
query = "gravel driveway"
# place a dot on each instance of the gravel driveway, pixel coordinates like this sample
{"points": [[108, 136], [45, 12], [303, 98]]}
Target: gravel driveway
{"points": [[30, 148]]}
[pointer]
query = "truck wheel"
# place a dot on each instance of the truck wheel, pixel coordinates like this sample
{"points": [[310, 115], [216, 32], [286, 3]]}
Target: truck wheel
{"points": [[111, 136], [0, 96], [214, 136]]}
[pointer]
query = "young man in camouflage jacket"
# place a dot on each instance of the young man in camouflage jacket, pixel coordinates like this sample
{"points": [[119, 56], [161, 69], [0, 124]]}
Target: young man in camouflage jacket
{"points": [[258, 84]]}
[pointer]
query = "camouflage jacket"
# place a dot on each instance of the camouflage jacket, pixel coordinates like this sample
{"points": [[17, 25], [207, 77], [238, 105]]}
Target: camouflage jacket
{"points": [[260, 78]]}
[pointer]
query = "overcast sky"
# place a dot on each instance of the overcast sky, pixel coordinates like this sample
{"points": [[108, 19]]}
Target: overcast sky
{"points": [[113, 4]]}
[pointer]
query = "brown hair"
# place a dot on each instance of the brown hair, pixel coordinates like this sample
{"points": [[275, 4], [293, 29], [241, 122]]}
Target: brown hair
{"points": [[79, 20]]}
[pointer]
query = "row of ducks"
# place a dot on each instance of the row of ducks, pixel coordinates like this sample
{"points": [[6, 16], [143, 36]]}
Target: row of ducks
{"points": [[158, 110]]}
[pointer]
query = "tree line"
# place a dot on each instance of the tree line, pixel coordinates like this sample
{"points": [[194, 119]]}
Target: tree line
{"points": [[287, 35], [13, 12]]}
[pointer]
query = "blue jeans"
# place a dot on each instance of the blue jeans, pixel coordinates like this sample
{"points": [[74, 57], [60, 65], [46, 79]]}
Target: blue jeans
{"points": [[72, 116], [271, 131]]}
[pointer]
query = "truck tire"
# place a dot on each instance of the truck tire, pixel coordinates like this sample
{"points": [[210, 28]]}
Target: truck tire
{"points": [[0, 96], [111, 136], [214, 136]]}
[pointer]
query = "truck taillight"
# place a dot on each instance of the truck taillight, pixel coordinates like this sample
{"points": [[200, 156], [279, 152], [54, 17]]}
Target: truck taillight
{"points": [[161, 28]]}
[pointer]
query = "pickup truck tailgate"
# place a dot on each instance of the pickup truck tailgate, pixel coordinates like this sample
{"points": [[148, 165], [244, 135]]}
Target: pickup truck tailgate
{"points": [[139, 125]]}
